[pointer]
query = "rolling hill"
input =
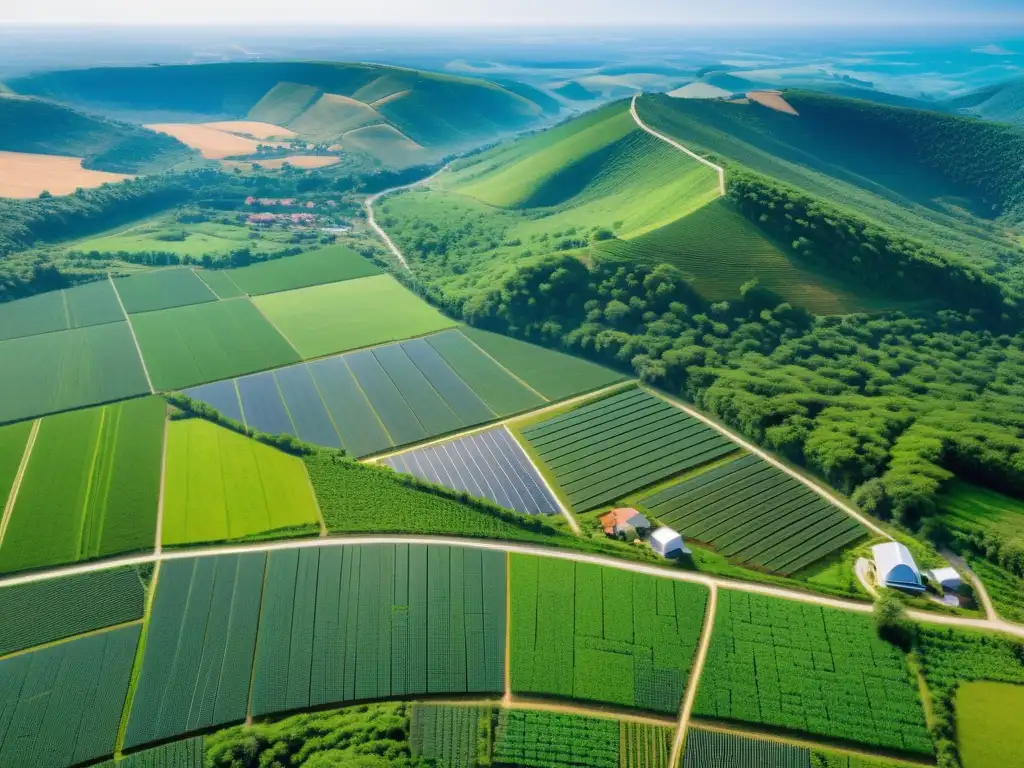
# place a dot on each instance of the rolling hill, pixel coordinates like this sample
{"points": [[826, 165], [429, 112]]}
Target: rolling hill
{"points": [[43, 128], [1003, 102], [323, 102]]}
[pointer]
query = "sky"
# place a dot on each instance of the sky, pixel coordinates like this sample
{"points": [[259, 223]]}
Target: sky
{"points": [[496, 13]]}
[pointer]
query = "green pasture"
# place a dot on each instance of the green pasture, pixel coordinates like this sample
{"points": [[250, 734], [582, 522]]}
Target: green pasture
{"points": [[337, 317], [162, 289], [989, 721], [324, 265], [969, 508], [192, 240]]}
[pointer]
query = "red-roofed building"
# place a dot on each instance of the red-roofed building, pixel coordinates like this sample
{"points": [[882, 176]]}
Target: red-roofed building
{"points": [[623, 522]]}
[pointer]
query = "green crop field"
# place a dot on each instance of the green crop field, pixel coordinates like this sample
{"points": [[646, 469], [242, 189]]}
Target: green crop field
{"points": [[187, 753], [377, 621], [62, 704], [337, 317], [709, 749], [206, 342], [448, 735], [78, 307], [1005, 589], [162, 289], [810, 669], [13, 440], [755, 515], [971, 511], [989, 718], [548, 740], [630, 642], [109, 460], [606, 450], [325, 265], [68, 369], [219, 281], [162, 235], [222, 486], [553, 374], [200, 642], [41, 612], [952, 657]]}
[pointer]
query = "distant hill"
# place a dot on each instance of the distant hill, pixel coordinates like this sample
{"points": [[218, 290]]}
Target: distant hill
{"points": [[322, 101], [1003, 102], [41, 127], [576, 92]]}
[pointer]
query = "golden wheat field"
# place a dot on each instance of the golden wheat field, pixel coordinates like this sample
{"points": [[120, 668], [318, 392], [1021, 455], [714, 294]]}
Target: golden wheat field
{"points": [[26, 175]]}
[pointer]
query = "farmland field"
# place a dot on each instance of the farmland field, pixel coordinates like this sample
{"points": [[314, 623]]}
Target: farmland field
{"points": [[62, 704], [326, 319], [584, 632], [553, 374], [199, 648], [109, 459], [606, 450], [989, 718], [219, 281], [971, 512], [186, 753], [206, 342], [711, 749], [168, 235], [41, 612], [162, 289], [1005, 589], [68, 369], [951, 657], [222, 486], [325, 265], [367, 622], [810, 669], [755, 515], [548, 740], [447, 734], [78, 307], [27, 175], [212, 144], [13, 440]]}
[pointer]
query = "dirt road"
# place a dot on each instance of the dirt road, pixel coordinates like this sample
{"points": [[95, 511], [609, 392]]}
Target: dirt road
{"points": [[371, 219]]}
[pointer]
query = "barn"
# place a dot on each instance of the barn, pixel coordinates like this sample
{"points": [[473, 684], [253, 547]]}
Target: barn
{"points": [[895, 567]]}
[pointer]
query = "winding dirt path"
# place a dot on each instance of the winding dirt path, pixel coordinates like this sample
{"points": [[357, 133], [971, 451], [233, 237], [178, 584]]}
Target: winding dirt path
{"points": [[372, 220], [695, 675]]}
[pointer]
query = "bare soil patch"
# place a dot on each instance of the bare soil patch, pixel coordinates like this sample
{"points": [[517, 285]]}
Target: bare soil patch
{"points": [[211, 143], [253, 128], [25, 175], [772, 100]]}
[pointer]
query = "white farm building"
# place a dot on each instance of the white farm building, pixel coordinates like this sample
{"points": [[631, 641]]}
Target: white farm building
{"points": [[668, 543], [944, 578], [895, 567]]}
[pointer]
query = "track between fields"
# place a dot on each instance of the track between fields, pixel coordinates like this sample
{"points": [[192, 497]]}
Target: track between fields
{"points": [[372, 221], [12, 497], [131, 328], [501, 545], [644, 127], [695, 675]]}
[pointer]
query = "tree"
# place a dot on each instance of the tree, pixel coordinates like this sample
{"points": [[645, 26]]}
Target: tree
{"points": [[891, 620]]}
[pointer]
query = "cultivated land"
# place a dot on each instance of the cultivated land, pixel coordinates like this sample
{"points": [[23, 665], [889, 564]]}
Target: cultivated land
{"points": [[165, 234], [325, 265], [68, 369], [988, 718], [162, 289], [253, 128], [222, 486], [356, 313], [212, 144], [13, 440], [705, 749], [206, 342], [108, 460], [24, 175], [78, 307]]}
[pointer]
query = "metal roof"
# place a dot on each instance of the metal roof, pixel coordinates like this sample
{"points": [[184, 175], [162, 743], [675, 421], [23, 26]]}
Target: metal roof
{"points": [[895, 566]]}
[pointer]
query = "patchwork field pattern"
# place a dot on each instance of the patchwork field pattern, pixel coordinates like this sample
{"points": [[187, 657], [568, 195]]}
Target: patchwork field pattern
{"points": [[13, 441], [220, 282], [548, 740], [710, 749], [68, 369], [41, 612], [606, 450], [200, 641], [488, 465], [187, 753], [811, 669], [446, 734], [325, 265], [580, 631], [109, 461], [372, 400], [222, 486], [756, 515], [337, 317], [78, 307], [62, 704], [162, 289], [207, 342], [367, 622]]}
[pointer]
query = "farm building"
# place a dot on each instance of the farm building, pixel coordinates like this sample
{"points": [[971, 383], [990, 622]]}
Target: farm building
{"points": [[668, 543], [895, 567], [624, 522], [947, 578]]}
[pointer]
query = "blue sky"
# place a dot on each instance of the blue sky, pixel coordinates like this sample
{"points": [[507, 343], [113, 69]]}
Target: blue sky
{"points": [[745, 13]]}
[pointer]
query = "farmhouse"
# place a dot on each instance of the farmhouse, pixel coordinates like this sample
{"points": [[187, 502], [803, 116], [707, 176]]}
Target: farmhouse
{"points": [[668, 543], [945, 578], [895, 567], [624, 522]]}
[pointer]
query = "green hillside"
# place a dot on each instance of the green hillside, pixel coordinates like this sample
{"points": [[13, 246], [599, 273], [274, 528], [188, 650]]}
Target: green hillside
{"points": [[1003, 102], [953, 183], [322, 102], [598, 184], [41, 127]]}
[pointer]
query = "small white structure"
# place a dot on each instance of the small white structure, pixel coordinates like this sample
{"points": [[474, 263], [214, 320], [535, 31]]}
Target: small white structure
{"points": [[945, 578], [668, 543], [895, 567]]}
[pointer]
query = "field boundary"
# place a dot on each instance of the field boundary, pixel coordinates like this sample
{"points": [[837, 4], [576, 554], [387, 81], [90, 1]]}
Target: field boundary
{"points": [[61, 641], [158, 545], [131, 328], [280, 333], [140, 652], [12, 497], [686, 710], [502, 366], [507, 698], [573, 524]]}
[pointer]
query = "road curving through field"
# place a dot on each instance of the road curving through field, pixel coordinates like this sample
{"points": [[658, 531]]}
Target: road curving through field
{"points": [[372, 220]]}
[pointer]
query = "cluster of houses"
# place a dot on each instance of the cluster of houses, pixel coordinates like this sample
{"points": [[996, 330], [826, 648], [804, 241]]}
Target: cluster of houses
{"points": [[267, 220], [286, 202], [628, 524]]}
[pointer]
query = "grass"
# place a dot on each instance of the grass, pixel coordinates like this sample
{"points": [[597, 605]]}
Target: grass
{"points": [[1004, 588], [222, 486], [337, 317], [162, 289], [166, 235], [68, 369], [968, 509], [325, 265], [206, 342], [989, 718], [108, 462]]}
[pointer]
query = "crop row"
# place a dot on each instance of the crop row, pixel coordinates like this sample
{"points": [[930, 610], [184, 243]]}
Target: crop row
{"points": [[547, 740], [447, 734], [711, 748], [643, 745], [79, 307]]}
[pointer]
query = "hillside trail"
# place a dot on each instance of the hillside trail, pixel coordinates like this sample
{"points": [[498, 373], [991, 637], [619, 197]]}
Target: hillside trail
{"points": [[372, 220], [515, 548], [643, 126]]}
